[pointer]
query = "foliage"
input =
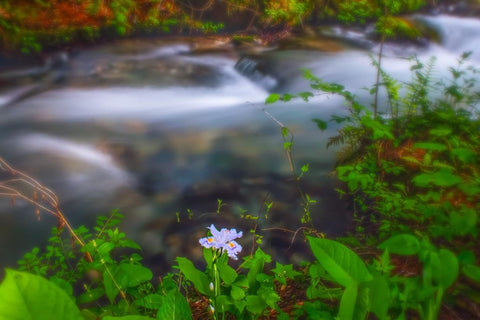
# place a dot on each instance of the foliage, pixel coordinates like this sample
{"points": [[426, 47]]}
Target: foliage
{"points": [[106, 272], [27, 296], [341, 283], [411, 167], [33, 27], [412, 173]]}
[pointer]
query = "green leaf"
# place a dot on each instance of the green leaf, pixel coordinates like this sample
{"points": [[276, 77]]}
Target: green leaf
{"points": [[282, 272], [151, 301], [466, 257], [379, 296], [472, 271], [272, 98], [174, 307], [255, 304], [61, 283], [91, 295], [465, 155], [340, 262], [131, 275], [463, 222], [222, 303], [255, 263], [131, 317], [403, 244], [130, 244], [430, 146], [287, 97], [441, 178], [237, 293], [198, 278], [447, 272], [24, 296], [208, 256], [440, 132], [287, 145], [125, 276], [347, 304], [111, 290], [104, 250], [305, 95], [227, 273], [322, 125]]}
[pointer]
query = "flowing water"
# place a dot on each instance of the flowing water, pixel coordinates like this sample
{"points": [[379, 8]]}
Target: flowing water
{"points": [[156, 127]]}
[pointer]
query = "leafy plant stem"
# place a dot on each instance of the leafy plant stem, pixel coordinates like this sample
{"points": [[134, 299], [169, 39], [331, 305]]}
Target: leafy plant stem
{"points": [[111, 276], [377, 81]]}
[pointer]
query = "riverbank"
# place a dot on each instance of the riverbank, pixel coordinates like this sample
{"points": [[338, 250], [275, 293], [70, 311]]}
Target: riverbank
{"points": [[60, 25]]}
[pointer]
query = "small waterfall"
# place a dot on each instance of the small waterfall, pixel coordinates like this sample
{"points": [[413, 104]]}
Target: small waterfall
{"points": [[459, 34], [250, 69]]}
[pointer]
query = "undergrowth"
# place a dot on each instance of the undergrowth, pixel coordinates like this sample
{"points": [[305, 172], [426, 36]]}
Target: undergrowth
{"points": [[412, 171]]}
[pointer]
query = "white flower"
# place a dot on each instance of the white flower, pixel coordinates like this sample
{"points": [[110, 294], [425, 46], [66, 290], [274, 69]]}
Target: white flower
{"points": [[224, 240]]}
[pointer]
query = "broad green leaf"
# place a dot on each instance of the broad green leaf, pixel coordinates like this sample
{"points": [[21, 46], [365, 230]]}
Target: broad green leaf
{"points": [[255, 304], [347, 304], [174, 307], [208, 256], [124, 276], [131, 275], [130, 244], [104, 249], [448, 271], [131, 317], [403, 244], [464, 221], [24, 296], [272, 98], [227, 273], [465, 155], [362, 304], [66, 286], [198, 278], [379, 296], [430, 146], [441, 178], [241, 281], [440, 132], [472, 271], [339, 261], [110, 285], [237, 293]]}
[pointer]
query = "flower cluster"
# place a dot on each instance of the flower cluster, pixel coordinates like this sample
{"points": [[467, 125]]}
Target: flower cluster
{"points": [[223, 240]]}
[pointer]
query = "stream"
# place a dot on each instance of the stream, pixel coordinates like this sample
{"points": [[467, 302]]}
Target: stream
{"points": [[160, 128]]}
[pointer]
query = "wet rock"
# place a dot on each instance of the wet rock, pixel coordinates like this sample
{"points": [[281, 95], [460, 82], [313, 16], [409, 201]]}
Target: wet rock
{"points": [[312, 43]]}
